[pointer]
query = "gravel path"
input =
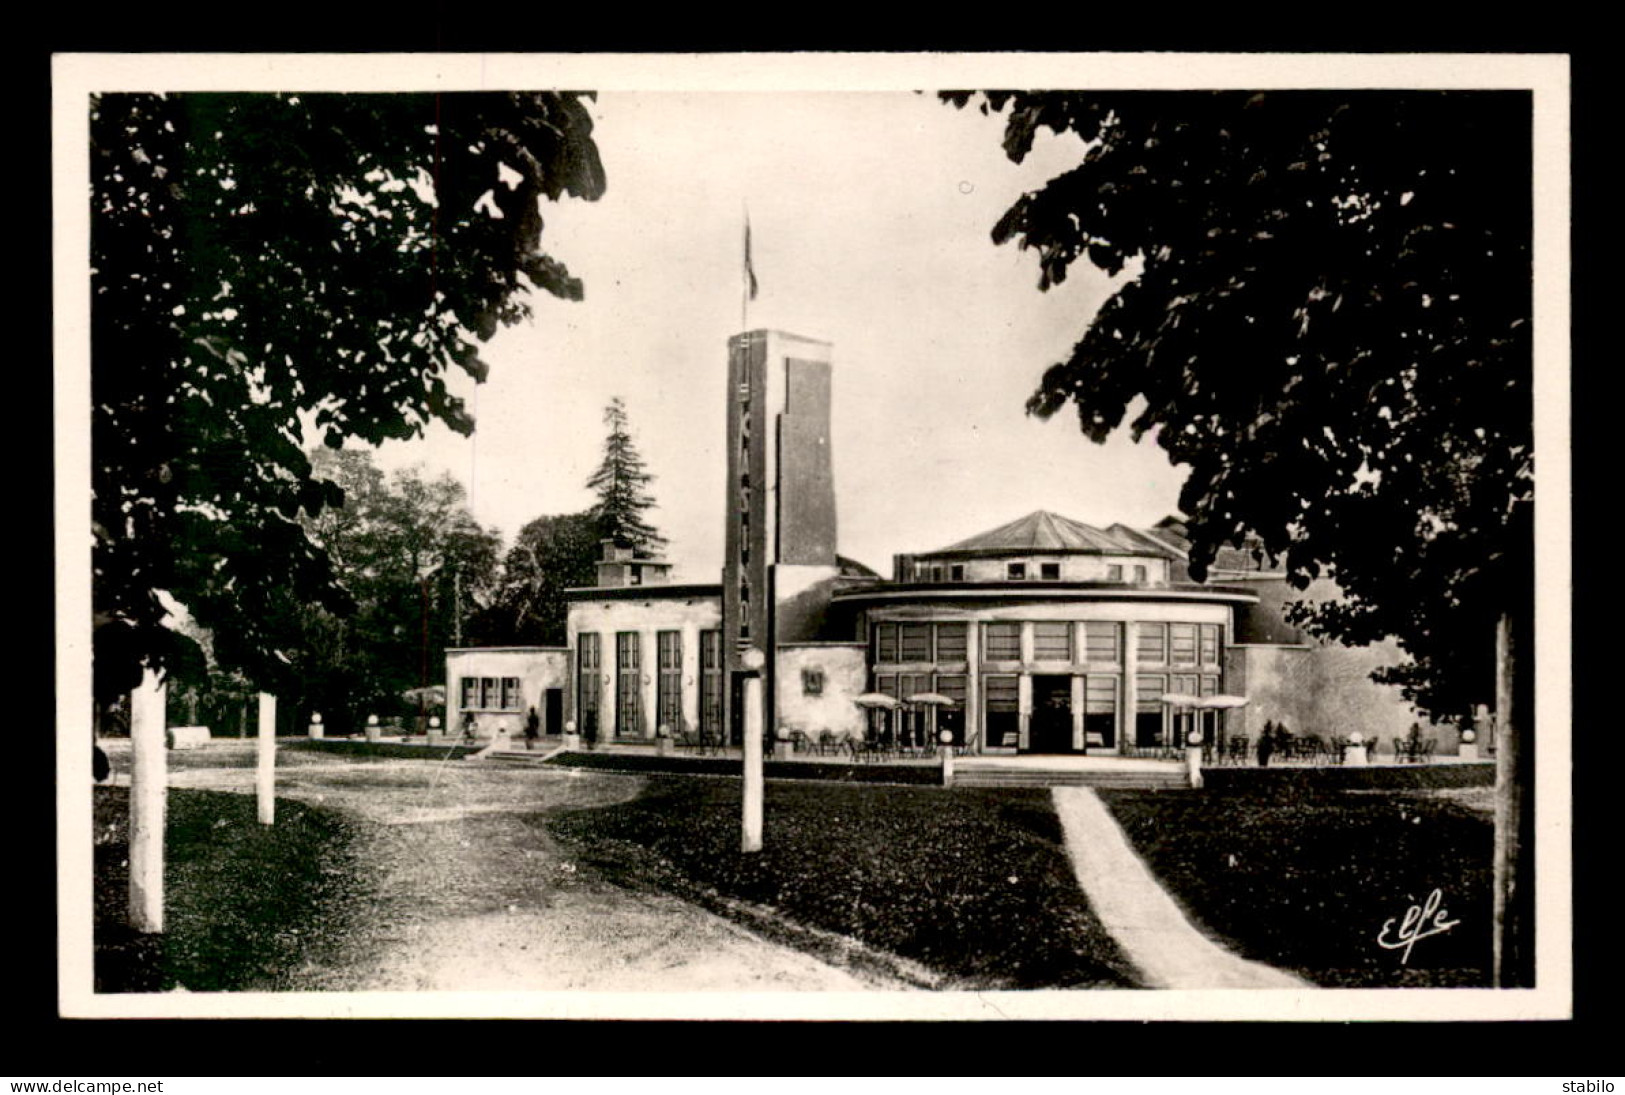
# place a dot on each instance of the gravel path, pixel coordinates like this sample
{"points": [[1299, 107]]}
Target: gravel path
{"points": [[470, 893], [1138, 912]]}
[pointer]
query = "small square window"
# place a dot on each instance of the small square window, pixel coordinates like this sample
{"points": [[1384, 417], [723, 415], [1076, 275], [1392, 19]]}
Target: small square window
{"points": [[1049, 572], [1114, 573], [956, 573], [1139, 574], [812, 682], [1016, 572]]}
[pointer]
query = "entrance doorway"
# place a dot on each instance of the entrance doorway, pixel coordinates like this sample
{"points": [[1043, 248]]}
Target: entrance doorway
{"points": [[553, 710], [1051, 728]]}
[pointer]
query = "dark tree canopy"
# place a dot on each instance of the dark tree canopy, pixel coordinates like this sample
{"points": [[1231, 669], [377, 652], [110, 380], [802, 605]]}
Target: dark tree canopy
{"points": [[550, 555], [262, 262], [1325, 315], [622, 484]]}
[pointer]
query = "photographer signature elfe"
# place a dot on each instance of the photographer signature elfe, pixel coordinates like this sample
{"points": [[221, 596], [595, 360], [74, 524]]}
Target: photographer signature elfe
{"points": [[1419, 922]]}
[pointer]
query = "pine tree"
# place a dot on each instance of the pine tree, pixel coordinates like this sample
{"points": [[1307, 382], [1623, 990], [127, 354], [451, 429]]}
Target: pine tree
{"points": [[621, 482]]}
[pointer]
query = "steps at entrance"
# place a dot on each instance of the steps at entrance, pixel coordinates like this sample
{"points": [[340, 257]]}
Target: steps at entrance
{"points": [[1172, 778]]}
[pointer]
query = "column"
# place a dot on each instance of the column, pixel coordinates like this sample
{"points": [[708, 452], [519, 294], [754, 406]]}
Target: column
{"points": [[1131, 693], [649, 660], [1024, 689], [1077, 713], [973, 685], [692, 680]]}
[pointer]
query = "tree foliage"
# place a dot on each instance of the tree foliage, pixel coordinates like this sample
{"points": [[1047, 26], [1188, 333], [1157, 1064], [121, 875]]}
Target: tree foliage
{"points": [[622, 484], [1324, 312], [264, 262], [550, 555], [411, 559]]}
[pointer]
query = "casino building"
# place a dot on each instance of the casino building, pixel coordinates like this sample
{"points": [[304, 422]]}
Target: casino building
{"points": [[1044, 635]]}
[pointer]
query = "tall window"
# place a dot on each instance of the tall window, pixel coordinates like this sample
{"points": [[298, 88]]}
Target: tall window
{"points": [[951, 717], [629, 679], [1052, 641], [914, 642], [1210, 644], [1001, 642], [471, 693], [669, 685], [1100, 710], [588, 663], [711, 682], [1152, 644], [510, 693], [1149, 710], [1002, 706], [1103, 643], [951, 642], [1139, 575], [1183, 637], [886, 643]]}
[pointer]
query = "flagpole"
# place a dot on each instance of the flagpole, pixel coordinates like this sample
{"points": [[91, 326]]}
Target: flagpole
{"points": [[744, 281]]}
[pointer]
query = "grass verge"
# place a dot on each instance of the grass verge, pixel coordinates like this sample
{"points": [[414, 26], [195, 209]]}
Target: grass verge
{"points": [[246, 904], [972, 884], [1304, 877]]}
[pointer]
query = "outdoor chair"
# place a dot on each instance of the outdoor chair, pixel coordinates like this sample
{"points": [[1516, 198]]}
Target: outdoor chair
{"points": [[800, 742], [1238, 750], [829, 742]]}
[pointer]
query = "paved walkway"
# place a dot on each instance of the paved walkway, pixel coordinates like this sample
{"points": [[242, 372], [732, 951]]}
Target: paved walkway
{"points": [[1155, 935]]}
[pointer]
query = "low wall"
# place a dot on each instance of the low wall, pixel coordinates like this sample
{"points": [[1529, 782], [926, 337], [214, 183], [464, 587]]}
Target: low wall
{"points": [[1398, 777]]}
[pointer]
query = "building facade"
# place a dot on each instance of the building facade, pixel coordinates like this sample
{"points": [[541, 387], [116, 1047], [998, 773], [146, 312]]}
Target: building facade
{"points": [[1044, 635]]}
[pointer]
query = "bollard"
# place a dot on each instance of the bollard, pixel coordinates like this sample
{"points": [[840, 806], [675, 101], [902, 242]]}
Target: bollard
{"points": [[1469, 745], [663, 741], [947, 750], [751, 814], [1193, 758], [572, 740], [148, 790], [1354, 753], [315, 728], [265, 756], [374, 731]]}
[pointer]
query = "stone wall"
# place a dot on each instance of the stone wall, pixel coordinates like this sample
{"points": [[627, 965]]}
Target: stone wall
{"points": [[816, 684], [538, 669]]}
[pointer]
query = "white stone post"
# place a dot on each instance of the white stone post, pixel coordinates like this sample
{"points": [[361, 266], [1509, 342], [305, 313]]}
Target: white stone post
{"points": [[315, 728], [751, 823], [149, 778], [1193, 757], [265, 771], [1354, 754], [1469, 745]]}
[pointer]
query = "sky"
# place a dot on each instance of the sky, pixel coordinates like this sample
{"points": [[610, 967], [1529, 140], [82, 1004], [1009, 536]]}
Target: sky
{"points": [[871, 217]]}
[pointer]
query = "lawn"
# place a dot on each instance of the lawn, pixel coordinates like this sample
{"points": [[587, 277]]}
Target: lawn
{"points": [[1305, 877], [246, 904], [974, 885]]}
